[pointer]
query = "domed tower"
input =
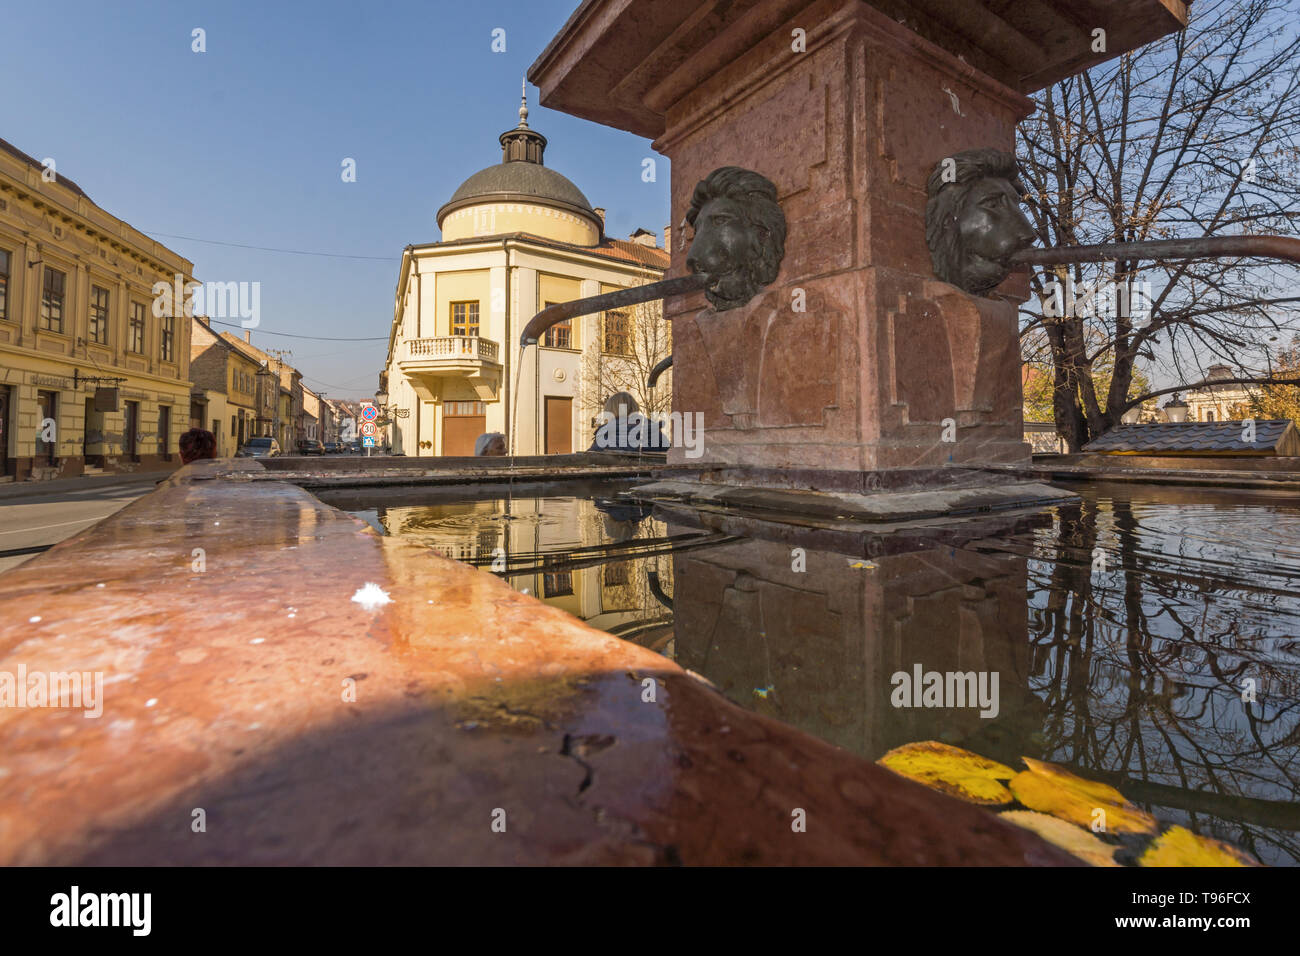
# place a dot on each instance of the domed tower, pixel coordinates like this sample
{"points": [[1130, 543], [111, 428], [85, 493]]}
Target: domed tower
{"points": [[516, 237], [520, 195]]}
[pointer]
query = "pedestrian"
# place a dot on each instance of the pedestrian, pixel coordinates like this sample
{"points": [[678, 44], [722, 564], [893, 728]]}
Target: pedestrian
{"points": [[197, 443], [491, 444]]}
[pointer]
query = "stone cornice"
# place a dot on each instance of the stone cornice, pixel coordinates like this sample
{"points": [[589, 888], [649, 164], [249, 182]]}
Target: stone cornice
{"points": [[76, 210]]}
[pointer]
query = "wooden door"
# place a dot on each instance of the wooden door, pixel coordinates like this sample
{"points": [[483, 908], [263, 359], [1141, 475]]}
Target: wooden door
{"points": [[47, 405], [164, 431], [559, 425], [88, 430], [462, 423], [130, 433], [4, 429]]}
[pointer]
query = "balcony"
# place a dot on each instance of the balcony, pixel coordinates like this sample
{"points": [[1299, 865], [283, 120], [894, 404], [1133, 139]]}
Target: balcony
{"points": [[454, 348], [453, 367]]}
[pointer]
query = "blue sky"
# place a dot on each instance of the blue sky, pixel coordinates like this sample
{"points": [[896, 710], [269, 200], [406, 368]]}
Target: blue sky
{"points": [[244, 143]]}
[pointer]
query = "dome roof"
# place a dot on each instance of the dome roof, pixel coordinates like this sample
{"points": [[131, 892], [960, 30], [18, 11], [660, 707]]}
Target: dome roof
{"points": [[521, 176], [519, 180]]}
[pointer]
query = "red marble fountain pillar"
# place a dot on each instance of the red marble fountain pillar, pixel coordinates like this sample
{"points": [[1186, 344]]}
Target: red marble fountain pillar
{"points": [[856, 362]]}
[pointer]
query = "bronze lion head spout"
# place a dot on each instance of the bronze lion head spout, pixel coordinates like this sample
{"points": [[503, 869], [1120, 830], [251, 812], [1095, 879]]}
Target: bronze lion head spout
{"points": [[739, 237], [973, 222]]}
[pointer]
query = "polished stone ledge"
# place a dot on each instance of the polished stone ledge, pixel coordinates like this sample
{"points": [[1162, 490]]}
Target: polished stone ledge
{"points": [[225, 692]]}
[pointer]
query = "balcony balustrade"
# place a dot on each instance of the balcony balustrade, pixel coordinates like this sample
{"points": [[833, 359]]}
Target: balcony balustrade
{"points": [[456, 348], [453, 367]]}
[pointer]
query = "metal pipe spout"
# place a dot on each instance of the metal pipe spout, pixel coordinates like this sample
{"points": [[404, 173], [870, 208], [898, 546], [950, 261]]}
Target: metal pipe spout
{"points": [[1206, 247], [661, 366], [554, 314]]}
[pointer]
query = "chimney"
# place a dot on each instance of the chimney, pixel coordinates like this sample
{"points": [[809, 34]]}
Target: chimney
{"points": [[601, 213], [668, 238], [248, 336]]}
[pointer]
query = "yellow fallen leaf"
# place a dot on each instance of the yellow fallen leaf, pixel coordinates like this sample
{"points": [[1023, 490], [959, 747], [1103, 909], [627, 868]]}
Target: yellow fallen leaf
{"points": [[1054, 790], [1179, 846], [1067, 836], [951, 770]]}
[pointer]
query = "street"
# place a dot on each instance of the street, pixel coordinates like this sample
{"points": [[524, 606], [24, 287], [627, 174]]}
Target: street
{"points": [[32, 516]]}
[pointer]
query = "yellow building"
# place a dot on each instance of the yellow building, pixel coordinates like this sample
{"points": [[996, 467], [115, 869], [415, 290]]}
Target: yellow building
{"points": [[279, 393], [317, 416], [76, 322], [225, 395], [516, 236], [612, 595]]}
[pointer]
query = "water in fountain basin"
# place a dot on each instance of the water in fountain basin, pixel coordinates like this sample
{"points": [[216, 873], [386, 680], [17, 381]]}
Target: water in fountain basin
{"points": [[1123, 627]]}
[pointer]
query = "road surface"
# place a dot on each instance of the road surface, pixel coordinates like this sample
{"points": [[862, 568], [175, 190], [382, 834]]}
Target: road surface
{"points": [[38, 517]]}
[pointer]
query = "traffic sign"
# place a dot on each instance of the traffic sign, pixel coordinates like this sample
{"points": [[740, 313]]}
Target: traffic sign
{"points": [[369, 412], [367, 442], [368, 428]]}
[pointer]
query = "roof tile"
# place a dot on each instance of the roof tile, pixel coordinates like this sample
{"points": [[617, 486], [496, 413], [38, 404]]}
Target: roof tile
{"points": [[1190, 437]]}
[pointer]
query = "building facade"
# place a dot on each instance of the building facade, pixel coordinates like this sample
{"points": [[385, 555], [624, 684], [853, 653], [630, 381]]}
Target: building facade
{"points": [[317, 416], [225, 392], [91, 379], [279, 393], [333, 417], [1218, 403], [515, 237], [348, 413]]}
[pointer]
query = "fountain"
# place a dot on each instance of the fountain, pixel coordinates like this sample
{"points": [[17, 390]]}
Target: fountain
{"points": [[845, 323], [851, 371]]}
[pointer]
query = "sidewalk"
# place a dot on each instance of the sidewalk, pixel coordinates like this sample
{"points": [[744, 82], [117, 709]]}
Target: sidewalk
{"points": [[26, 489]]}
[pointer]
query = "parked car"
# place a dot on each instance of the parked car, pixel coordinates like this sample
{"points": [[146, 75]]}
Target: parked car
{"points": [[260, 448], [333, 447], [310, 446]]}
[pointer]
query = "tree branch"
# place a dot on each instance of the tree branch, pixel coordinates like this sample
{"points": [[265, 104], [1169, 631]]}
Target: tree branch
{"points": [[1211, 382]]}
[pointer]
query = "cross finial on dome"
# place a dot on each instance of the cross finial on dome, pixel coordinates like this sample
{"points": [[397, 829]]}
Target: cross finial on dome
{"points": [[523, 102]]}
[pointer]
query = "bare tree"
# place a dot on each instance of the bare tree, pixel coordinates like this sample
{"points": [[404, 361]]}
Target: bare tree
{"points": [[1197, 135], [629, 344]]}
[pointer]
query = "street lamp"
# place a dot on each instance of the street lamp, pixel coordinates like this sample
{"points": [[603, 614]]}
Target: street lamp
{"points": [[1176, 409]]}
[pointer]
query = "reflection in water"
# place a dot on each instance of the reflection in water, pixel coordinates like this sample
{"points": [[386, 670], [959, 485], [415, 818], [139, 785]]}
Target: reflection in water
{"points": [[590, 557], [1125, 629], [1152, 615]]}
